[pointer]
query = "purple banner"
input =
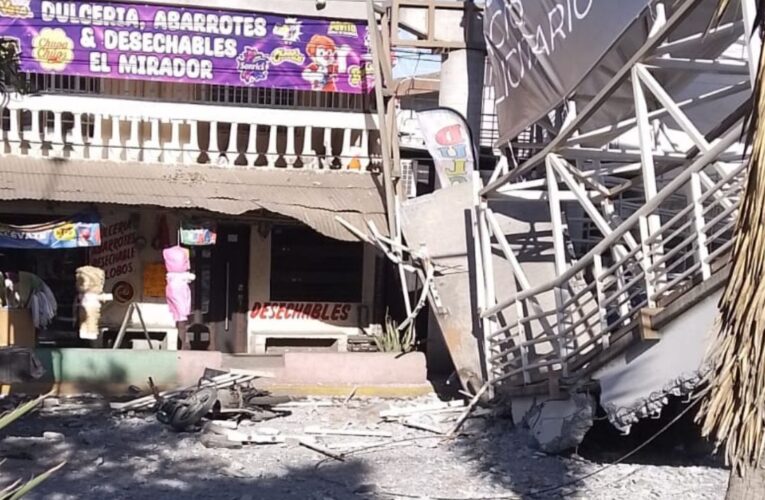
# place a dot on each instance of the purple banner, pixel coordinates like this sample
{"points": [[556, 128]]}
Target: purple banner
{"points": [[159, 43]]}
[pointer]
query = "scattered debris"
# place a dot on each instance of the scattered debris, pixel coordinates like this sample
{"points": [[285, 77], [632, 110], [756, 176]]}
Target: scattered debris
{"points": [[421, 426], [346, 432], [53, 436], [469, 409], [449, 406], [313, 445]]}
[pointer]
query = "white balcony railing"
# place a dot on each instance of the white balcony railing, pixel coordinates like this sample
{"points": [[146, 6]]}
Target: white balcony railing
{"points": [[93, 128]]}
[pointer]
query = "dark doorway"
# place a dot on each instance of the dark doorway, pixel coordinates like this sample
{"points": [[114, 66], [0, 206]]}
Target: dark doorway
{"points": [[220, 297]]}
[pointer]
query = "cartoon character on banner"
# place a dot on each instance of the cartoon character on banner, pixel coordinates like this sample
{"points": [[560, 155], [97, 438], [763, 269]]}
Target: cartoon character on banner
{"points": [[290, 31], [327, 62]]}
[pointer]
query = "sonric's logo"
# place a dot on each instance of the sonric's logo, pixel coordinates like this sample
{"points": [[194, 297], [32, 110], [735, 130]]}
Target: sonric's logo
{"points": [[17, 9], [53, 49], [252, 65]]}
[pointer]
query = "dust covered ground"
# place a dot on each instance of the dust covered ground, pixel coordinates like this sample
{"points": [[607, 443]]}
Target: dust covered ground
{"points": [[134, 456]]}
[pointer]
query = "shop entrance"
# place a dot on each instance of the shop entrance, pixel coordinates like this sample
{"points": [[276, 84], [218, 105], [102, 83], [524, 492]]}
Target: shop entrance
{"points": [[220, 290]]}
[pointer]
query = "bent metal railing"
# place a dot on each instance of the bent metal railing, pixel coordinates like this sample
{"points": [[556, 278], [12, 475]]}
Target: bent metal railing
{"points": [[556, 330]]}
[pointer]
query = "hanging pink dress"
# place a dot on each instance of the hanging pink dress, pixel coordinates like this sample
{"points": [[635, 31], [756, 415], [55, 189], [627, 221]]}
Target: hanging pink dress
{"points": [[177, 291]]}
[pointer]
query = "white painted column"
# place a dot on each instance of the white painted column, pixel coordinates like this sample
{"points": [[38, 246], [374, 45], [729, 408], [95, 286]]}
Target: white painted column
{"points": [[153, 151], [114, 143], [15, 133], [252, 145], [328, 158], [306, 153], [57, 139], [96, 144], [213, 151], [345, 152], [35, 135], [290, 155], [272, 154], [172, 151], [192, 150], [133, 144], [76, 139]]}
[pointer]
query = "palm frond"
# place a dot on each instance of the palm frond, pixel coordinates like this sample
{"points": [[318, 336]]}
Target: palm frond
{"points": [[733, 411]]}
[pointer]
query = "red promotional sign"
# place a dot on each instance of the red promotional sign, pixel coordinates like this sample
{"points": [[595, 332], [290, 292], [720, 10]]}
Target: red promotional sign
{"points": [[301, 310]]}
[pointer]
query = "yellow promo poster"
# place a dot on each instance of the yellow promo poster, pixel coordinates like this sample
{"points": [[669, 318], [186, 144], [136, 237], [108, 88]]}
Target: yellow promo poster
{"points": [[154, 280]]}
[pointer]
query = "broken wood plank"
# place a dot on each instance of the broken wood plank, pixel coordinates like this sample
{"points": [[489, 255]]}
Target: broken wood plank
{"points": [[313, 445], [469, 409], [254, 373], [346, 432], [238, 436], [424, 408], [303, 404], [421, 426]]}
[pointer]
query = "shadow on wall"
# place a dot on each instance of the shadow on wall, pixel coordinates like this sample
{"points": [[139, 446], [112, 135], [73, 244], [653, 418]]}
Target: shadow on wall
{"points": [[99, 371]]}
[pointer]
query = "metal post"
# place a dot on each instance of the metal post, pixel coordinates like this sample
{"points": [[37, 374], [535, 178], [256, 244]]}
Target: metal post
{"points": [[559, 248], [384, 136], [698, 220]]}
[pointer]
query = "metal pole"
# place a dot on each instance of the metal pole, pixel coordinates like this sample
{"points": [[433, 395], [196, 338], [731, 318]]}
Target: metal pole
{"points": [[384, 137]]}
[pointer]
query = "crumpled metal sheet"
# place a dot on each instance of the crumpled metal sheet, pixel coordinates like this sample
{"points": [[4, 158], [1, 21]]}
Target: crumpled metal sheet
{"points": [[638, 384], [313, 197]]}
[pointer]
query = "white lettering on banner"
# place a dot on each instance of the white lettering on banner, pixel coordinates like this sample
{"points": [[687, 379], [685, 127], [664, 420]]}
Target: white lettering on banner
{"points": [[301, 310], [94, 14], [532, 41]]}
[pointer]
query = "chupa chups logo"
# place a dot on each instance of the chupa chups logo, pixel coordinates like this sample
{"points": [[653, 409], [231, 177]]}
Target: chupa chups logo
{"points": [[252, 65], [287, 55], [342, 28], [290, 31], [18, 9], [53, 49]]}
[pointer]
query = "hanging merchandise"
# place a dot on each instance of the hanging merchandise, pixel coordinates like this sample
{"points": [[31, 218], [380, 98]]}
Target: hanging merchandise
{"points": [[27, 291], [177, 291], [198, 234]]}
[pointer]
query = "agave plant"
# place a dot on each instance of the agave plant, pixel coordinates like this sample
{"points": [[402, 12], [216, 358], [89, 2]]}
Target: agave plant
{"points": [[394, 339], [19, 488]]}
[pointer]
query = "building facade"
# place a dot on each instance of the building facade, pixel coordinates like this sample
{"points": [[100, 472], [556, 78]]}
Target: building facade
{"points": [[164, 122]]}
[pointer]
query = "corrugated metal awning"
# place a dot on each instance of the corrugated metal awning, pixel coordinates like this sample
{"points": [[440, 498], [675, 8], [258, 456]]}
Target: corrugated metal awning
{"points": [[312, 197]]}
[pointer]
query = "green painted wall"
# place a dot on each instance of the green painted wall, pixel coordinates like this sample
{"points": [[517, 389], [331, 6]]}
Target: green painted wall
{"points": [[107, 366]]}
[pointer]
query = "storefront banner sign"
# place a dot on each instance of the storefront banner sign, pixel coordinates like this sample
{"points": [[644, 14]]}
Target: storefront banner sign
{"points": [[175, 44], [67, 234], [118, 257], [198, 236], [540, 50], [448, 139]]}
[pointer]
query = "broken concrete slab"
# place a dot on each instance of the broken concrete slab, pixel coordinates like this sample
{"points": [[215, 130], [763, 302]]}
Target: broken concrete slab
{"points": [[560, 425]]}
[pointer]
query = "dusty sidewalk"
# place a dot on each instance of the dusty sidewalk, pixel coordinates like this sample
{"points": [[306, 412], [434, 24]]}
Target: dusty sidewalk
{"points": [[136, 457]]}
